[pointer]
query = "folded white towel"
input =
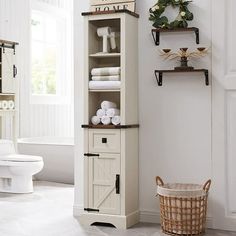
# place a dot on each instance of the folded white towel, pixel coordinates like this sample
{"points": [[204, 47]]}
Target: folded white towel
{"points": [[105, 105], [100, 113], [11, 105], [4, 105], [113, 112], [105, 71], [104, 85], [116, 120], [106, 78], [106, 120], [95, 120]]}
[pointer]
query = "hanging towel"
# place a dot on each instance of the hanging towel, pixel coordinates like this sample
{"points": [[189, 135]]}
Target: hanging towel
{"points": [[105, 71], [116, 120], [113, 112], [106, 78], [106, 120], [101, 113], [104, 85], [95, 120], [105, 105]]}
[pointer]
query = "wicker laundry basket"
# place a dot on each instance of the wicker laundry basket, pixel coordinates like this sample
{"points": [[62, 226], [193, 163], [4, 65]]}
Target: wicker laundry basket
{"points": [[183, 207]]}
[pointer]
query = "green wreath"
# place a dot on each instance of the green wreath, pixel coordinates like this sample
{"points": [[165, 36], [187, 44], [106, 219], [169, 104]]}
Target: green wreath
{"points": [[181, 20]]}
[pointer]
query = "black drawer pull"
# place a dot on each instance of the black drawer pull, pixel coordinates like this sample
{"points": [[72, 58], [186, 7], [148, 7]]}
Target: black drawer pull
{"points": [[91, 155], [104, 140], [117, 184]]}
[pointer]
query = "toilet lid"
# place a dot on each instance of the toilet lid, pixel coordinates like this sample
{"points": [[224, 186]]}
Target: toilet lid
{"points": [[20, 158]]}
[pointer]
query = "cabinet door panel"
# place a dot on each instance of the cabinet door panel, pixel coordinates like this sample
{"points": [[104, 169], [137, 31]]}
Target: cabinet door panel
{"points": [[102, 183], [8, 80]]}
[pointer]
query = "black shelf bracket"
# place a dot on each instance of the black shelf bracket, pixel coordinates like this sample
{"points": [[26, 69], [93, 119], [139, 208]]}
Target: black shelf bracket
{"points": [[207, 77], [196, 30], [156, 37], [159, 74]]}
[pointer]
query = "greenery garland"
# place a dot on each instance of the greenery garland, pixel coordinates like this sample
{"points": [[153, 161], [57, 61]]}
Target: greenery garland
{"points": [[181, 20]]}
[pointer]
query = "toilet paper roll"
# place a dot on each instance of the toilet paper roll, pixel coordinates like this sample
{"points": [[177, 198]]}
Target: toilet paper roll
{"points": [[4, 105], [11, 105], [106, 120], [95, 120]]}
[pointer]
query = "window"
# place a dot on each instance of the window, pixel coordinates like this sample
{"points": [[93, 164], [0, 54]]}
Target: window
{"points": [[51, 54]]}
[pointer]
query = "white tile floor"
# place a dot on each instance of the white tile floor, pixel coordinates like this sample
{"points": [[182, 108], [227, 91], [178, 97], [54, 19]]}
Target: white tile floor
{"points": [[48, 212]]}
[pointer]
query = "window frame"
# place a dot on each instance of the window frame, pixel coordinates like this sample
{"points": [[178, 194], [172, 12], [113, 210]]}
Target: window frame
{"points": [[64, 86]]}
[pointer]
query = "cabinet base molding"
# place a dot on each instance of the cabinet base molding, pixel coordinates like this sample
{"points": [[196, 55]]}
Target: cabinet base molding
{"points": [[119, 221]]}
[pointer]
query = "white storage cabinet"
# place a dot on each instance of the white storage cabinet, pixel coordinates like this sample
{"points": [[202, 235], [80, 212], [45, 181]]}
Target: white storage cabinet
{"points": [[111, 152]]}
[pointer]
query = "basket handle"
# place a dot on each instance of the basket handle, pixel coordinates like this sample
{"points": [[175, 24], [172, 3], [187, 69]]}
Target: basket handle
{"points": [[206, 186], [159, 181]]}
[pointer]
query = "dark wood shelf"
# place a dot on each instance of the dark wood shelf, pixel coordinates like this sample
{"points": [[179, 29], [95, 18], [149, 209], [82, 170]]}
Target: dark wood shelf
{"points": [[90, 126], [156, 33], [110, 12], [159, 74]]}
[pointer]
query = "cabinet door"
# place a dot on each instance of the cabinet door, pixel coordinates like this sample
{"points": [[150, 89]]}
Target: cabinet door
{"points": [[104, 173], [8, 71]]}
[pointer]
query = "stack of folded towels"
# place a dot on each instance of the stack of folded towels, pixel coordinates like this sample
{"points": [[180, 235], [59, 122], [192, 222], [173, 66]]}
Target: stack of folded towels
{"points": [[107, 114], [105, 78]]}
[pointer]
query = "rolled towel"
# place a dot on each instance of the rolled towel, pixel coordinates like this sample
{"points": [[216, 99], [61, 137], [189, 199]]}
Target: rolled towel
{"points": [[4, 105], [11, 105], [116, 120], [106, 78], [95, 120], [113, 112], [104, 85], [106, 120], [105, 105], [105, 71], [100, 113]]}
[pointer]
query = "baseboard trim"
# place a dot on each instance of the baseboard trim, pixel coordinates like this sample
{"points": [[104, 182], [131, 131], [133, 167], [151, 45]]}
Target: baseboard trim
{"points": [[78, 210], [154, 217]]}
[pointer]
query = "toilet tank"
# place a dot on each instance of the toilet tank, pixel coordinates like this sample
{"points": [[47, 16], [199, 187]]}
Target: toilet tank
{"points": [[6, 147]]}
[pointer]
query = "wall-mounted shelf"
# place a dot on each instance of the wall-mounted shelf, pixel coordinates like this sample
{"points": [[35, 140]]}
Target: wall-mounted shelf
{"points": [[159, 74], [156, 33]]}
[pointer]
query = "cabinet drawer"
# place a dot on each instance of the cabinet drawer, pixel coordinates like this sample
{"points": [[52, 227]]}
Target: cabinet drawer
{"points": [[104, 141]]}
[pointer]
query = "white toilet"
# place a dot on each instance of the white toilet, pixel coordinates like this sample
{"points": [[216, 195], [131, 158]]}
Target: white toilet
{"points": [[16, 171]]}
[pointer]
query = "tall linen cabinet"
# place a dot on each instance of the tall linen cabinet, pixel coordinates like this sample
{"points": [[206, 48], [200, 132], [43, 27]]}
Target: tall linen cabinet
{"points": [[111, 152]]}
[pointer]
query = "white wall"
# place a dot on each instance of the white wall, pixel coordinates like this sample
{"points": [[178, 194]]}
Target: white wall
{"points": [[175, 120], [35, 120]]}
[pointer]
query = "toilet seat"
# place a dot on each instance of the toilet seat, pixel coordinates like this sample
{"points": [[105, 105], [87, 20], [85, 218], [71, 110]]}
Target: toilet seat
{"points": [[20, 158]]}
